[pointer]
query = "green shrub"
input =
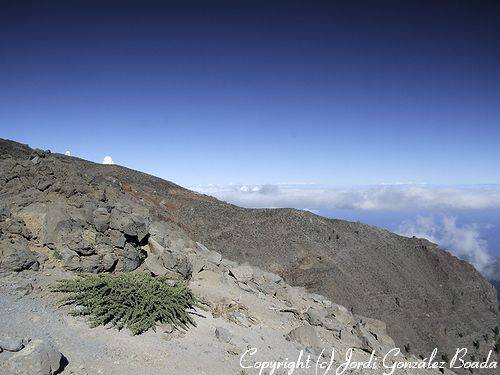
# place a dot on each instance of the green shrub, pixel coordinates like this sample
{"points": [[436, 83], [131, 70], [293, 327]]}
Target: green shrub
{"points": [[136, 301]]}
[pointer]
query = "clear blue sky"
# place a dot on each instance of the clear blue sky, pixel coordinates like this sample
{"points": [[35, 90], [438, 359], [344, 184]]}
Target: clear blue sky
{"points": [[339, 92]]}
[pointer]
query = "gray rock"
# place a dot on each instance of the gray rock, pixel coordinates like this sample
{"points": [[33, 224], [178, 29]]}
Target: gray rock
{"points": [[245, 287], [178, 244], [242, 273], [117, 238], [293, 296], [93, 263], [223, 334], [41, 258], [137, 229], [108, 261], [229, 263], [119, 219], [160, 261], [56, 223], [4, 212], [202, 248], [262, 277], [373, 335], [371, 324], [82, 242], [160, 232], [101, 219], [40, 153], [341, 314], [239, 318], [316, 316], [43, 185], [373, 341], [305, 335], [154, 265], [36, 219], [334, 326], [12, 344], [131, 225], [320, 299], [178, 263], [269, 288], [70, 259], [17, 227], [369, 342], [214, 257], [155, 248], [101, 211], [129, 258], [198, 264], [38, 357], [15, 256], [24, 289]]}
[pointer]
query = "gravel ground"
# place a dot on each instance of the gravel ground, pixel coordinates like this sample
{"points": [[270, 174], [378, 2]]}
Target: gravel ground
{"points": [[108, 351]]}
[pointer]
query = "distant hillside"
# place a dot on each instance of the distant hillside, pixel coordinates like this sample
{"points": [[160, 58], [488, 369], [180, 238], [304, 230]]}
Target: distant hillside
{"points": [[493, 272]]}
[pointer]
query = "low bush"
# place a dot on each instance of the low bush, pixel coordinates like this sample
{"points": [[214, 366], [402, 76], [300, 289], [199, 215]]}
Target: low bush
{"points": [[137, 301]]}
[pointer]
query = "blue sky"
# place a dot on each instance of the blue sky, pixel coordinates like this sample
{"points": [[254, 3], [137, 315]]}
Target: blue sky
{"points": [[271, 92], [385, 112]]}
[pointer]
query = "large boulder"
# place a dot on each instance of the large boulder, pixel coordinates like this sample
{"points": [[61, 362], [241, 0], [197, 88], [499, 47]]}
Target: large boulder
{"points": [[117, 239], [12, 344], [160, 232], [341, 314], [100, 218], [242, 273], [133, 222], [161, 261], [37, 358], [318, 316], [93, 263], [373, 338], [129, 258], [15, 256], [307, 336], [46, 220], [16, 228]]}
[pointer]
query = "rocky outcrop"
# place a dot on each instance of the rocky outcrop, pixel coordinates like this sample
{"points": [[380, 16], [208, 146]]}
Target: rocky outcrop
{"points": [[38, 357], [12, 344], [15, 256]]}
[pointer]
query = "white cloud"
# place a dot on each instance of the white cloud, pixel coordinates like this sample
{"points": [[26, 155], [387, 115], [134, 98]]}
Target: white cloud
{"points": [[107, 160], [463, 241], [382, 197], [67, 153]]}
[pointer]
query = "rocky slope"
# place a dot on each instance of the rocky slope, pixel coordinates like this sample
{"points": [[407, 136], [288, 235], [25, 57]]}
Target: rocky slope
{"points": [[493, 272], [98, 218], [245, 308]]}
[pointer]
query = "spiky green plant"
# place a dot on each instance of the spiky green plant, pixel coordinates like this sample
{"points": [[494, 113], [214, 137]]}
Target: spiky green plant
{"points": [[136, 301]]}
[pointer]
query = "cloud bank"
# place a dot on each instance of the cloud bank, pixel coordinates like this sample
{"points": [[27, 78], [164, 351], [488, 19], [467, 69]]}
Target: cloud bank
{"points": [[464, 241], [108, 160], [383, 197]]}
